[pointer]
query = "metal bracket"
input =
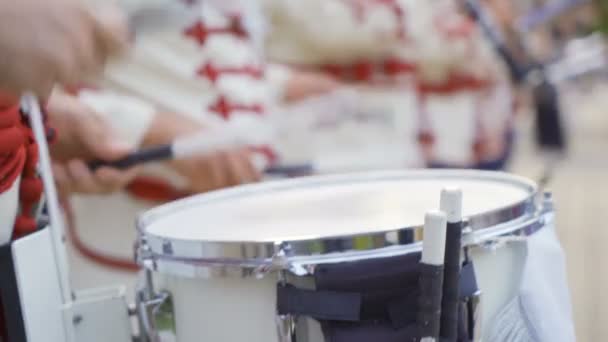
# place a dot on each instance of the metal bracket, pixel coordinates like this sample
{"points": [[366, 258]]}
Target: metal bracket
{"points": [[93, 311], [155, 313], [279, 260]]}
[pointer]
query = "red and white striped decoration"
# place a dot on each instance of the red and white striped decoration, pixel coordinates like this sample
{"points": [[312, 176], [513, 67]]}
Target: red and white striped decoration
{"points": [[200, 32]]}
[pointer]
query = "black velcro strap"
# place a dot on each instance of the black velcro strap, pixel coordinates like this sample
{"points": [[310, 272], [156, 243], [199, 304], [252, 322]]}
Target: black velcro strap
{"points": [[323, 305], [468, 281], [429, 300], [451, 281]]}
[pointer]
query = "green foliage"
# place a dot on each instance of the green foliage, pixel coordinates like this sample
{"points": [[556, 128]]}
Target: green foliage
{"points": [[602, 11]]}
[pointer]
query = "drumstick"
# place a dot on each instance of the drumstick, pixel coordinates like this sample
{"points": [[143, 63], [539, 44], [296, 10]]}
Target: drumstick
{"points": [[431, 276], [517, 71], [200, 144], [451, 204]]}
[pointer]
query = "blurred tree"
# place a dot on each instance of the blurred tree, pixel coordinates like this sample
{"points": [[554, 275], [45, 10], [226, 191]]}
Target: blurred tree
{"points": [[602, 12]]}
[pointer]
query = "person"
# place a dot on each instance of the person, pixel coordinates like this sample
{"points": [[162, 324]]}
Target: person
{"points": [[423, 65], [44, 43], [202, 74]]}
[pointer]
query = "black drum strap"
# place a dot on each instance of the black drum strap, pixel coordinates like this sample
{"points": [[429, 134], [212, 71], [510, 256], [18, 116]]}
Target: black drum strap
{"points": [[321, 305], [374, 300], [9, 295]]}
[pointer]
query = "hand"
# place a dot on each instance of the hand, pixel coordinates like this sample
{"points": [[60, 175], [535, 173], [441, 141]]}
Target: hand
{"points": [[44, 42], [75, 176], [218, 170], [206, 172], [307, 84], [84, 135]]}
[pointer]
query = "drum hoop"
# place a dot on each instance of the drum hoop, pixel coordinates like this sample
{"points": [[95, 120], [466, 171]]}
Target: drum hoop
{"points": [[283, 254], [306, 265]]}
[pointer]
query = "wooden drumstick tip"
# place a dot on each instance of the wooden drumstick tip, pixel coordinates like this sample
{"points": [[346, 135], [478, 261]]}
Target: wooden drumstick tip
{"points": [[433, 244], [451, 203]]}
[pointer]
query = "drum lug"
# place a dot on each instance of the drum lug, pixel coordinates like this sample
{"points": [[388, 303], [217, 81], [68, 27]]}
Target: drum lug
{"points": [[474, 305], [278, 262], [547, 204], [155, 312], [301, 270], [286, 326], [144, 256]]}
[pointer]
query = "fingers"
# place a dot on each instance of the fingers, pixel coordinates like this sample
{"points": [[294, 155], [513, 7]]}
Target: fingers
{"points": [[91, 37], [58, 41], [253, 174], [217, 175], [238, 168], [111, 180], [218, 170], [76, 177]]}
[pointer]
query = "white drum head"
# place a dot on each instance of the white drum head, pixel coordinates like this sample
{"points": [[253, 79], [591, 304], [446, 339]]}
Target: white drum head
{"points": [[321, 207]]}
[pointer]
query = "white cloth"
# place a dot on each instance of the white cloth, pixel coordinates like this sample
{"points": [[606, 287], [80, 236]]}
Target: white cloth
{"points": [[9, 202], [541, 312]]}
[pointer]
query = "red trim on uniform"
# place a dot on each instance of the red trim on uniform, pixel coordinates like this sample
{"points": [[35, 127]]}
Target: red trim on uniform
{"points": [[267, 151], [454, 84], [213, 73], [368, 71], [396, 66], [335, 70], [200, 32], [155, 189], [363, 71], [224, 108]]}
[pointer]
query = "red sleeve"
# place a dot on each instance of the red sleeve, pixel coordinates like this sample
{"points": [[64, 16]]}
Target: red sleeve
{"points": [[7, 100]]}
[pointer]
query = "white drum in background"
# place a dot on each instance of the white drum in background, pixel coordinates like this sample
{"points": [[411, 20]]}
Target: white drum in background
{"points": [[219, 255]]}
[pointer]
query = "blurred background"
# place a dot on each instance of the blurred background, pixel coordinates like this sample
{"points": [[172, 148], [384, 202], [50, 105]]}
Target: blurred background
{"points": [[578, 180]]}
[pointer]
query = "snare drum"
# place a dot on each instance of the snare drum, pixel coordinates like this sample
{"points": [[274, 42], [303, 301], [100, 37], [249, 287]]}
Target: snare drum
{"points": [[215, 259]]}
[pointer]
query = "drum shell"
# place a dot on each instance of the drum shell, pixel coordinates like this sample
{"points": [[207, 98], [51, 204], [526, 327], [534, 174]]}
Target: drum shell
{"points": [[232, 309], [207, 299]]}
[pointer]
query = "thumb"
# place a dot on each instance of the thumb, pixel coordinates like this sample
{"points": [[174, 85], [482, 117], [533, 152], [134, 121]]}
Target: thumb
{"points": [[111, 149]]}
